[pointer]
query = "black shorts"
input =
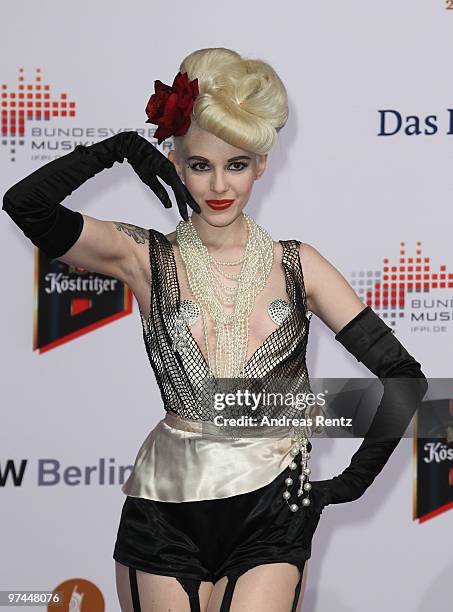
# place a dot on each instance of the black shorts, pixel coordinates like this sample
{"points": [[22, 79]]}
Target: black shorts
{"points": [[208, 539]]}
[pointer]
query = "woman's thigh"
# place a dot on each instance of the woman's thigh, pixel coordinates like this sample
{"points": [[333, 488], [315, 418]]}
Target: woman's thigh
{"points": [[145, 592], [271, 587]]}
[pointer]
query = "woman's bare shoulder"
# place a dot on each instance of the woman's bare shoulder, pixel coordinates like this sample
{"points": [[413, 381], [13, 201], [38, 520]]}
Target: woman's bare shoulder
{"points": [[141, 237], [329, 294]]}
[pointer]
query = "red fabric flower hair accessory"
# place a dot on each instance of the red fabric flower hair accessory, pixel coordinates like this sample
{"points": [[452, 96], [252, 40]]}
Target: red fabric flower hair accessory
{"points": [[171, 107]]}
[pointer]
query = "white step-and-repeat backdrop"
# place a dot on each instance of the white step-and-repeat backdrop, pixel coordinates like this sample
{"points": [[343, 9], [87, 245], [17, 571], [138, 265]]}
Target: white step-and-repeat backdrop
{"points": [[362, 171]]}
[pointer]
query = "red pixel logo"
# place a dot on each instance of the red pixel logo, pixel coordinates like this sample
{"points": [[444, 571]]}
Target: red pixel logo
{"points": [[387, 289], [31, 102]]}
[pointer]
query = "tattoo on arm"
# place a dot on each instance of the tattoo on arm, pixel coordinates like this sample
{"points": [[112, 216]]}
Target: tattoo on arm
{"points": [[139, 234]]}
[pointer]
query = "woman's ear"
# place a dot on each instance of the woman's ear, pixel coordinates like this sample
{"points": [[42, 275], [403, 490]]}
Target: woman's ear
{"points": [[260, 165], [174, 159]]}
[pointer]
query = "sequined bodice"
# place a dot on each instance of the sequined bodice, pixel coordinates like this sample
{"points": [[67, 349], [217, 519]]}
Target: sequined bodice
{"points": [[182, 374]]}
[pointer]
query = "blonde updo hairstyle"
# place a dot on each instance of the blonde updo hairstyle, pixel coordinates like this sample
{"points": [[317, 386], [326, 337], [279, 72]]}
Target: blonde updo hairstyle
{"points": [[241, 101]]}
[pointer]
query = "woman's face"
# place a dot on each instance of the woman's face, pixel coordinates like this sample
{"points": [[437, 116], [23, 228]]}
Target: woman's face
{"points": [[213, 170]]}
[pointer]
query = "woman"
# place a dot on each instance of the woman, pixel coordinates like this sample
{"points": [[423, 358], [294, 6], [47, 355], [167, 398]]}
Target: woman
{"points": [[208, 516]]}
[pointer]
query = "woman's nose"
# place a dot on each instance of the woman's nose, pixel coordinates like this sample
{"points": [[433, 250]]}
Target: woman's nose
{"points": [[219, 183]]}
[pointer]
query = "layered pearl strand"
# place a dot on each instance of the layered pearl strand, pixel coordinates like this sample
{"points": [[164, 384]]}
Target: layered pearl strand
{"points": [[232, 328]]}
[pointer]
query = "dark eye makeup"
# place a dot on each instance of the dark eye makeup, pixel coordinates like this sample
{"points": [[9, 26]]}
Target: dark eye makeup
{"points": [[194, 166]]}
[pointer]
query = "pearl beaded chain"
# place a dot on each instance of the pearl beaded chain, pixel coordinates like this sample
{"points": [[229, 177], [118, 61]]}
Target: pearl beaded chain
{"points": [[301, 446], [231, 328]]}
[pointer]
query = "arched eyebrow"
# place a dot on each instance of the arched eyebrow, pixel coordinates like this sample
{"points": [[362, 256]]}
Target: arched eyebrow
{"points": [[200, 158]]}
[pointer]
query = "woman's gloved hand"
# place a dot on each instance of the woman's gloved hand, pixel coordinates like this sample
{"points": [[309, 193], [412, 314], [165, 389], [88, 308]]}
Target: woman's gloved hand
{"points": [[34, 202], [372, 342]]}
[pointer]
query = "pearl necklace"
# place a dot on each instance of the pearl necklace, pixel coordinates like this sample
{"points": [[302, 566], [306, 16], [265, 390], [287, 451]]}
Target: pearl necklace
{"points": [[226, 263], [231, 328]]}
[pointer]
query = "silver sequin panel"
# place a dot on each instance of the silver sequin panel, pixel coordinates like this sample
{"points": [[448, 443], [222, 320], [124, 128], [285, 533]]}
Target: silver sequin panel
{"points": [[189, 312], [278, 311]]}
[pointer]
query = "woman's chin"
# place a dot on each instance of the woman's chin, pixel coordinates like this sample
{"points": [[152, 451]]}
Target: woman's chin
{"points": [[219, 218]]}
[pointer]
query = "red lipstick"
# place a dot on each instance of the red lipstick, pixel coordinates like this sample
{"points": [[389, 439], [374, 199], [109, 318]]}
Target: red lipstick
{"points": [[219, 204]]}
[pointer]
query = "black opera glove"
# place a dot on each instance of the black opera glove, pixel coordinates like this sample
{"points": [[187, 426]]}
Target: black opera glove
{"points": [[34, 202], [372, 342]]}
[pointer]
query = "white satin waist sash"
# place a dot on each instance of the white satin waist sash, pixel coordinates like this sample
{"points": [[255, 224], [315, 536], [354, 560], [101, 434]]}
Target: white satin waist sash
{"points": [[186, 460]]}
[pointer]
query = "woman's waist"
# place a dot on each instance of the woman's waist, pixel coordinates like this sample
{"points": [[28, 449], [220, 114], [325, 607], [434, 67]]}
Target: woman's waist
{"points": [[181, 461]]}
